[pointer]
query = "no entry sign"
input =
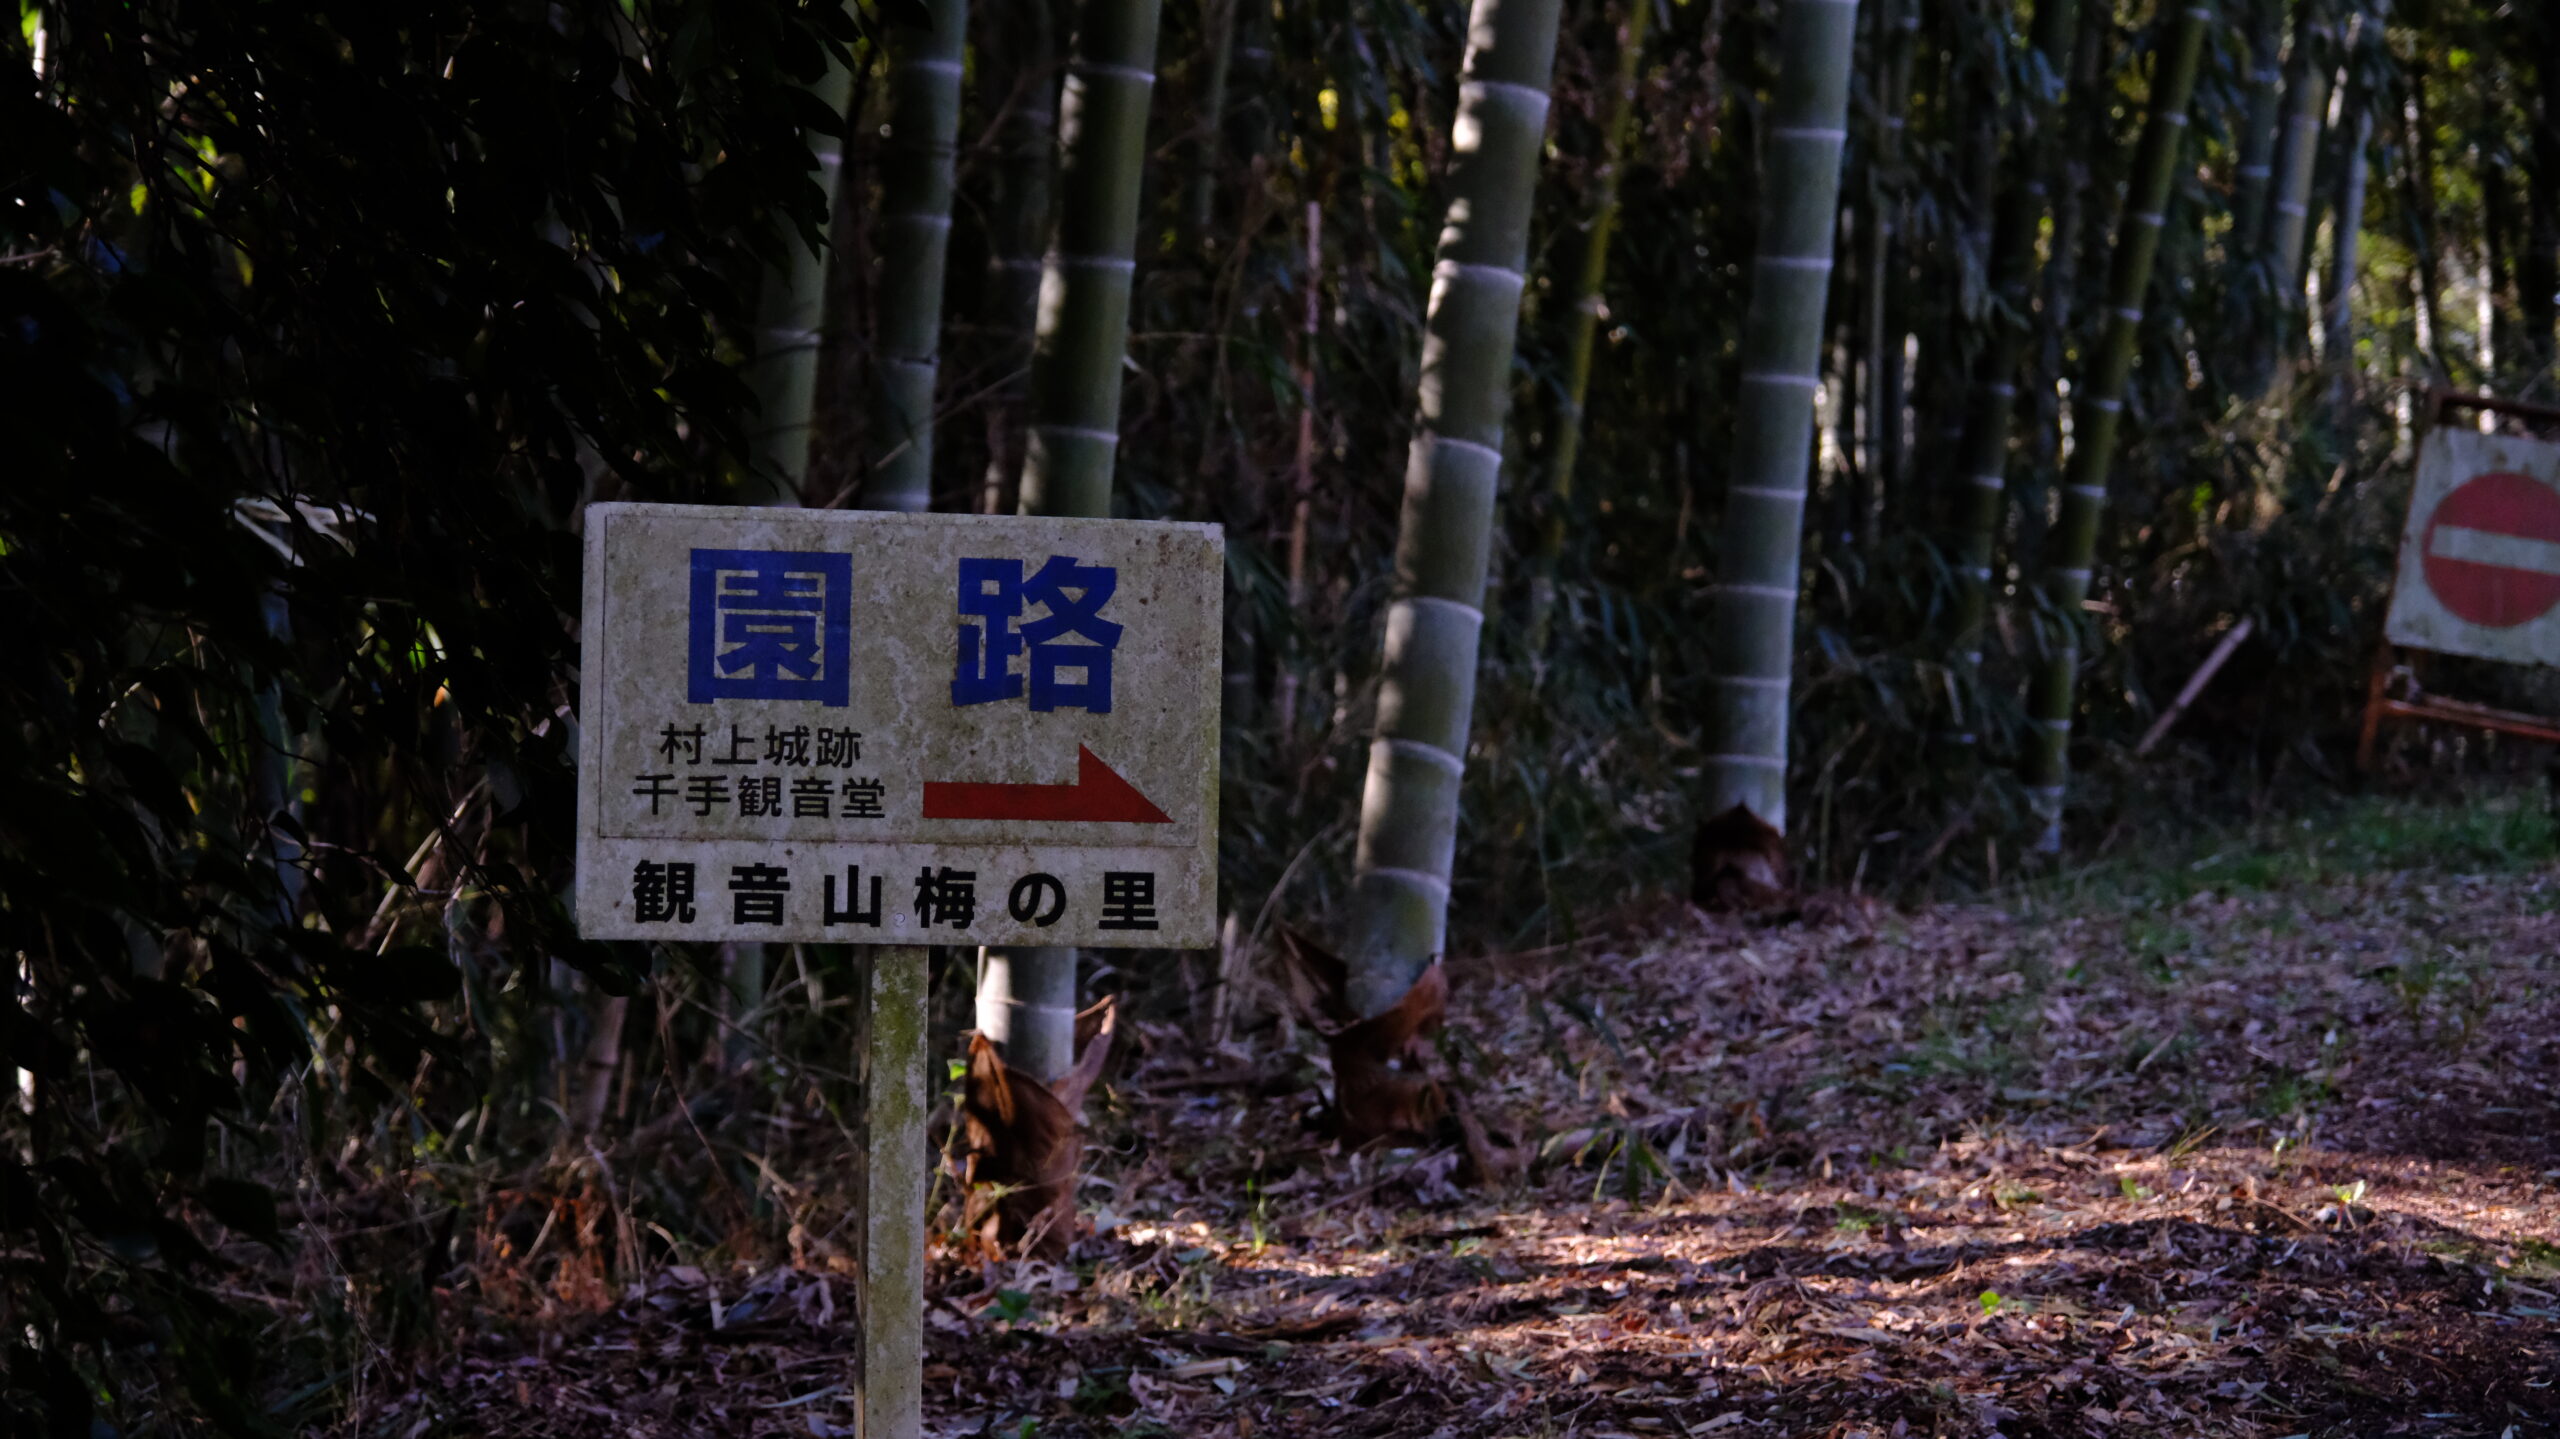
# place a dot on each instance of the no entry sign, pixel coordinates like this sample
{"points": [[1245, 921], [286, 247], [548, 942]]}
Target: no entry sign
{"points": [[2480, 559], [898, 729]]}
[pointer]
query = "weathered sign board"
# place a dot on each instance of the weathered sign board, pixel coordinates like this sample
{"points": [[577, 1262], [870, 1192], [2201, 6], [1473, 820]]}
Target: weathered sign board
{"points": [[862, 728], [2480, 558]]}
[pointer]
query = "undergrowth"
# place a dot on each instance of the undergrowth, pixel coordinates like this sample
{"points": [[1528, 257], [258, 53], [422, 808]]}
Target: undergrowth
{"points": [[2483, 827]]}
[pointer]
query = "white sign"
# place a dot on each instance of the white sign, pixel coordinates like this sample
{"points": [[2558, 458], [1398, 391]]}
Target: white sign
{"points": [[2480, 559], [860, 728]]}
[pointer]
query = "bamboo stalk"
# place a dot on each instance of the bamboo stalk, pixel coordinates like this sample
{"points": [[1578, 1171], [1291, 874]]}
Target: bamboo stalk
{"points": [[2257, 137], [2096, 406], [2349, 230], [1026, 997], [1751, 648], [2418, 208], [2497, 332], [915, 223], [1982, 482], [1409, 804], [1582, 324], [1303, 480], [1218, 27], [2538, 268], [603, 1064], [1083, 335], [1898, 26], [2056, 326], [783, 376], [2297, 158], [1022, 88], [791, 315]]}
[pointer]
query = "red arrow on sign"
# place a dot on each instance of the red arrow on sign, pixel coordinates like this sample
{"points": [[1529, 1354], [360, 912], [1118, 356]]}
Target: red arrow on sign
{"points": [[1099, 796], [2492, 550]]}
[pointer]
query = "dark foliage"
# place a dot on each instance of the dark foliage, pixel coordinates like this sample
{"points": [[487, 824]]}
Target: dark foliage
{"points": [[315, 330]]}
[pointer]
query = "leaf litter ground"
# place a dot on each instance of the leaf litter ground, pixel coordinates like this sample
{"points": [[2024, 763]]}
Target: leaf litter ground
{"points": [[2261, 1147]]}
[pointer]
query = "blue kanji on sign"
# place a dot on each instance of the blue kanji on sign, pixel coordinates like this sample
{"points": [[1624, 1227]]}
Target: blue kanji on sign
{"points": [[771, 625], [1069, 647], [991, 595]]}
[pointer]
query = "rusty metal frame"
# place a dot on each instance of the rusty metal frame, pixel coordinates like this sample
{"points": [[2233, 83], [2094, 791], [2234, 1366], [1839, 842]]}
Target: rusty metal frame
{"points": [[2416, 704]]}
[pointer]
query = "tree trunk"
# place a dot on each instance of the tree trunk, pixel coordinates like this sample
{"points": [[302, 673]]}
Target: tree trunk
{"points": [[2306, 109], [603, 1063], [791, 316], [1302, 479], [2096, 405], [1083, 334], [1582, 325], [1022, 88], [2497, 230], [1983, 481], [1409, 805], [2538, 268], [1954, 345], [1026, 997], [2343, 244], [1898, 31], [2418, 206], [1200, 205], [1751, 647], [915, 222], [2056, 320], [2257, 137]]}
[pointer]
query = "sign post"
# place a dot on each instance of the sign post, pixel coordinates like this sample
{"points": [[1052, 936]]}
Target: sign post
{"points": [[894, 731], [2479, 571]]}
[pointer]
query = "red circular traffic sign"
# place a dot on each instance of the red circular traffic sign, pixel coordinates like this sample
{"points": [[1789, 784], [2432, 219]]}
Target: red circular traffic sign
{"points": [[2492, 550]]}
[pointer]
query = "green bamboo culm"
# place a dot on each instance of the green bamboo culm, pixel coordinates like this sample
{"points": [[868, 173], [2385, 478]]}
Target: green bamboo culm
{"points": [[2346, 233], [1218, 37], [2257, 138], [1982, 484], [1017, 67], [2298, 154], [915, 233], [1888, 195], [790, 321], [1083, 333], [1435, 616], [1027, 997], [2097, 403], [1582, 325], [783, 377], [2306, 111], [1751, 648]]}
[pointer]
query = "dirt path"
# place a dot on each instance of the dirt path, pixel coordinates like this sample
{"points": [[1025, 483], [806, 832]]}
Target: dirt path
{"points": [[2246, 1146]]}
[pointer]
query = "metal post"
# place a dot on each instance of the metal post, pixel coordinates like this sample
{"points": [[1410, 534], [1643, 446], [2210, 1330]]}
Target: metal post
{"points": [[891, 1186]]}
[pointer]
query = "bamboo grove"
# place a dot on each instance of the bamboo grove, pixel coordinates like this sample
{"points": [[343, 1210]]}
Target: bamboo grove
{"points": [[2047, 230], [1846, 418]]}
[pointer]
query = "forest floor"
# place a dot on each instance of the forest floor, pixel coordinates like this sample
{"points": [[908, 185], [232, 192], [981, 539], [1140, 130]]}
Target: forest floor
{"points": [[2258, 1139]]}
